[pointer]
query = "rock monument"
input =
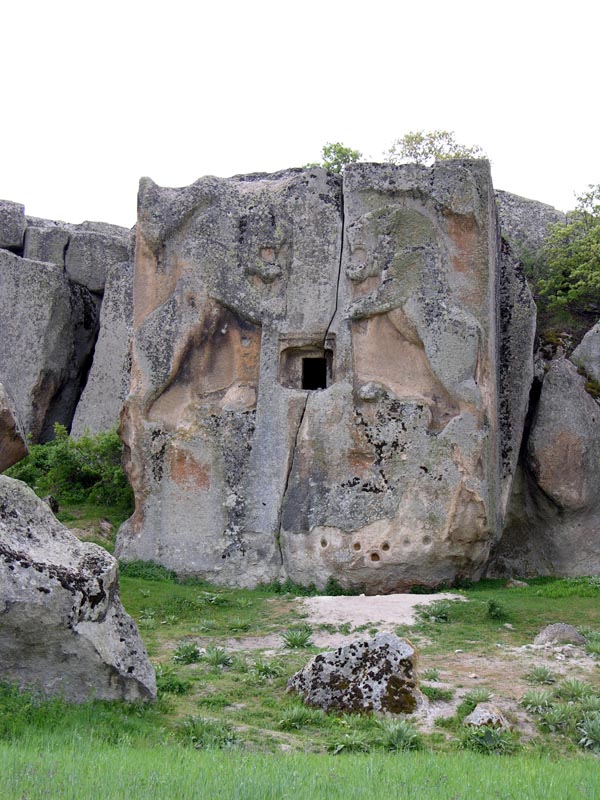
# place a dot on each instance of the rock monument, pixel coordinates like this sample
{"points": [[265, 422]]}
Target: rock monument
{"points": [[330, 376]]}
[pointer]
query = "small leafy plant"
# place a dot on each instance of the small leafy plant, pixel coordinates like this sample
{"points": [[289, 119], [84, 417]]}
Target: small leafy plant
{"points": [[541, 675], [398, 735], [589, 728], [187, 653], [489, 740], [206, 734], [217, 657], [300, 716], [574, 689], [430, 674], [537, 701], [297, 638], [436, 693]]}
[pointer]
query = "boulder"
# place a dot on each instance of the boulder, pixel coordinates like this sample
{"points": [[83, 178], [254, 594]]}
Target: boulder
{"points": [[553, 524], [525, 223], [13, 444], [12, 225], [564, 444], [366, 675], [48, 328], [63, 629], [46, 243], [488, 715], [560, 633], [587, 353], [36, 338], [108, 381], [317, 374], [90, 254]]}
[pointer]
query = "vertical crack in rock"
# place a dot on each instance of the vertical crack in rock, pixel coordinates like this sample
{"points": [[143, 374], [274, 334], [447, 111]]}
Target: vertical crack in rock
{"points": [[288, 476], [339, 275]]}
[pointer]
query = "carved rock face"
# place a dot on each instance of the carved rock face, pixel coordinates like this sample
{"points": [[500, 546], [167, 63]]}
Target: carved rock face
{"points": [[315, 380], [366, 675]]}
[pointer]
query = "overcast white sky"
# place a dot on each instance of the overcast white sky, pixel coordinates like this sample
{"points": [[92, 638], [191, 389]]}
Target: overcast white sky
{"points": [[95, 95]]}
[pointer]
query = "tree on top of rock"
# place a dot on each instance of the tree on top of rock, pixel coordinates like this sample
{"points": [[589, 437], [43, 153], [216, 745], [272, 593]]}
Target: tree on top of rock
{"points": [[336, 156], [426, 147]]}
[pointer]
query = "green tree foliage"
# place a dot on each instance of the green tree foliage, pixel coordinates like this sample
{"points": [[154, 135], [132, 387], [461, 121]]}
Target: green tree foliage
{"points": [[572, 258], [336, 156], [85, 470], [425, 147]]}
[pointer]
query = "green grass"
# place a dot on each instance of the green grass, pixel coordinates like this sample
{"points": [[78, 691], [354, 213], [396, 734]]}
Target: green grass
{"points": [[73, 768], [236, 699]]}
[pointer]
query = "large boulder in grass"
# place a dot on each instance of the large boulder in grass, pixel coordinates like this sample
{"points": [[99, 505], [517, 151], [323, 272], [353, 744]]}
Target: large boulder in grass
{"points": [[13, 445], [375, 674], [63, 629]]}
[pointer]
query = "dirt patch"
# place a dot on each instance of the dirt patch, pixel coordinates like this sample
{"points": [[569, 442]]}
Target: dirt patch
{"points": [[388, 609]]}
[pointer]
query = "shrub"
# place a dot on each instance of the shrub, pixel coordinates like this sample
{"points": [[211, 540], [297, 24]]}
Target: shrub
{"points": [[399, 735], [75, 471], [496, 610]]}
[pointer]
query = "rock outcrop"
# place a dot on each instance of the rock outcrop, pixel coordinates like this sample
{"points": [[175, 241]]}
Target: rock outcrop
{"points": [[587, 353], [366, 675], [52, 277], [63, 629], [526, 223], [552, 525], [108, 381], [13, 444], [318, 386]]}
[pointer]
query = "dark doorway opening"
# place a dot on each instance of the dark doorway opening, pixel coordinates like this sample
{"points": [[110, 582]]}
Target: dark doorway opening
{"points": [[314, 373]]}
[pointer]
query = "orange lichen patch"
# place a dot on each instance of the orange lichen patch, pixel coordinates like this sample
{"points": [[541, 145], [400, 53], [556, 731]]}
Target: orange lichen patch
{"points": [[187, 473], [463, 234]]}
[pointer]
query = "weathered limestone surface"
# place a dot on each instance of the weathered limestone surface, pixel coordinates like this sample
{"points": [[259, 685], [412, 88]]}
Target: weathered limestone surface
{"points": [[375, 674], [63, 629], [35, 335], [525, 223], [317, 384], [108, 381], [12, 225], [50, 295], [90, 254], [13, 444], [587, 353], [552, 525]]}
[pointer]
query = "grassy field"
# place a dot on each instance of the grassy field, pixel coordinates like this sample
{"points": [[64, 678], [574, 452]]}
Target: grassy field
{"points": [[224, 726]]}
